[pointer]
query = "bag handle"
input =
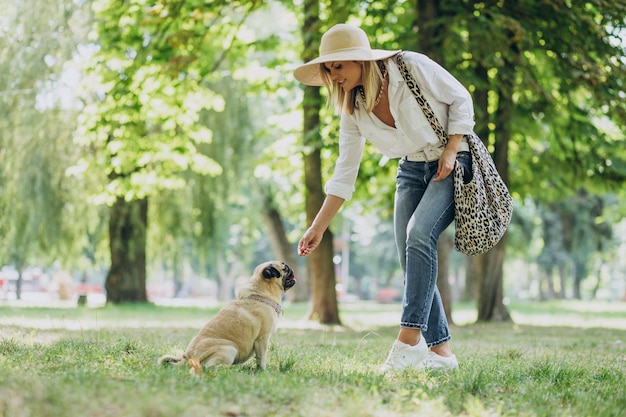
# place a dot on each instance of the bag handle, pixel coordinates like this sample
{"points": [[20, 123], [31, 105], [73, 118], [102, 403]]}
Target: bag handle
{"points": [[419, 96]]}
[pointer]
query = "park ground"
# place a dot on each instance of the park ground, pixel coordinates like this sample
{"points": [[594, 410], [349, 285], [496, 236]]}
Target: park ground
{"points": [[564, 358]]}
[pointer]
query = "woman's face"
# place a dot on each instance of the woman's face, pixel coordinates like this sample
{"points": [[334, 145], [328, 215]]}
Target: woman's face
{"points": [[346, 74]]}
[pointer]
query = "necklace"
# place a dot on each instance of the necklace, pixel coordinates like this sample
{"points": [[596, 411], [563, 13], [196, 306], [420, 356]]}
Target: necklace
{"points": [[380, 90]]}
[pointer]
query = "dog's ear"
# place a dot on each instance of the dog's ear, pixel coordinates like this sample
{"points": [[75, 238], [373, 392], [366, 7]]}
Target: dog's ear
{"points": [[271, 272]]}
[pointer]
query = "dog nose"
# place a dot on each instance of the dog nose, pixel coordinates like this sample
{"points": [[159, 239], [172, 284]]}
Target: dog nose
{"points": [[288, 269]]}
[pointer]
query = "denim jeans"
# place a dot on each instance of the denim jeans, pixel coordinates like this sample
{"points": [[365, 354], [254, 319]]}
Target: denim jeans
{"points": [[423, 209]]}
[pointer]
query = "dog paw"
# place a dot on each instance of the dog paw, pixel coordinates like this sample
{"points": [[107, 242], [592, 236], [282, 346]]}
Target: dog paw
{"points": [[196, 368]]}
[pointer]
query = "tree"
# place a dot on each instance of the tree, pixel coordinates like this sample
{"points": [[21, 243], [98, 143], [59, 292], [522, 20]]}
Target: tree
{"points": [[586, 232], [126, 280], [320, 266], [223, 215], [507, 41], [145, 135], [36, 199], [553, 255], [519, 32]]}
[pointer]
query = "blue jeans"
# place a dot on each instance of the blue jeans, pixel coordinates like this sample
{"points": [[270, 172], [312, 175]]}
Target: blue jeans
{"points": [[423, 209]]}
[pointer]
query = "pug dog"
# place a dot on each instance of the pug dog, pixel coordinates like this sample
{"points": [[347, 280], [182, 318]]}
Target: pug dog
{"points": [[244, 326]]}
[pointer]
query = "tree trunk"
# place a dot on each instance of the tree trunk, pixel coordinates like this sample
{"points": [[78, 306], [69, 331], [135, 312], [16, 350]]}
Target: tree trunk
{"points": [[321, 270], [549, 275], [472, 271], [598, 284], [540, 280], [18, 282], [282, 248], [444, 248], [490, 306], [580, 271], [177, 276], [82, 297], [227, 274], [126, 280], [324, 306], [562, 280], [429, 23]]}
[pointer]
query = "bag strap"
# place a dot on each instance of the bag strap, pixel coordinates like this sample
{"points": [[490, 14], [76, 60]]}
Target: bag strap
{"points": [[419, 96]]}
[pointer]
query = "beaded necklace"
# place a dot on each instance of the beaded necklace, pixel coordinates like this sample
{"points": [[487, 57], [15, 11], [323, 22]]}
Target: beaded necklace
{"points": [[383, 70]]}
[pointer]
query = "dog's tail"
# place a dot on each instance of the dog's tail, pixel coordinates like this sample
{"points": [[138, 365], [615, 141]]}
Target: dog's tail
{"points": [[176, 360]]}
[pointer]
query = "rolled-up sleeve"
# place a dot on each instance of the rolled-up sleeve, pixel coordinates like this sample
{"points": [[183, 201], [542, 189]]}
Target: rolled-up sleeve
{"points": [[351, 144]]}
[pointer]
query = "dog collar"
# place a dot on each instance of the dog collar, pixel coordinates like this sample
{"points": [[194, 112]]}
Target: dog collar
{"points": [[275, 306]]}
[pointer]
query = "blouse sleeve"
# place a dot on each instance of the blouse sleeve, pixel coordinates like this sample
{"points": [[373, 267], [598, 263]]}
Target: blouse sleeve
{"points": [[351, 144]]}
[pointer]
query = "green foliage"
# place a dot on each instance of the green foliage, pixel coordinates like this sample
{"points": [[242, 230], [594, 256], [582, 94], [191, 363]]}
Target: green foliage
{"points": [[567, 77], [174, 115], [36, 197], [151, 72], [568, 82]]}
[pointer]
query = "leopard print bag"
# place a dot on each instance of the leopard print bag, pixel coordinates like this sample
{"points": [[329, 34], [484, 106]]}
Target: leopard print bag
{"points": [[483, 206]]}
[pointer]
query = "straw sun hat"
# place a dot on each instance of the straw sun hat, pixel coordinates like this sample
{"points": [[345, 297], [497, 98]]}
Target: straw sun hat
{"points": [[340, 43]]}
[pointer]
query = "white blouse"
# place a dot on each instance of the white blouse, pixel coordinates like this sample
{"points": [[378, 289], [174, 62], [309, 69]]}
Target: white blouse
{"points": [[448, 98]]}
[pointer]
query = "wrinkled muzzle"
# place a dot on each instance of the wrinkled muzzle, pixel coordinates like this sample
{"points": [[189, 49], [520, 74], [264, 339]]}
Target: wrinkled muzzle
{"points": [[289, 278]]}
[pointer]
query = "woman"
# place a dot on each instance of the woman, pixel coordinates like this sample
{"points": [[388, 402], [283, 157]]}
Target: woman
{"points": [[370, 94]]}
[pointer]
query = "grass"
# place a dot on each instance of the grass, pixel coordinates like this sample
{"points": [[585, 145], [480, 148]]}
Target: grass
{"points": [[102, 362]]}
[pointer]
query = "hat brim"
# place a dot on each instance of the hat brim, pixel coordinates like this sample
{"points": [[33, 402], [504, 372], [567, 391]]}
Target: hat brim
{"points": [[309, 73]]}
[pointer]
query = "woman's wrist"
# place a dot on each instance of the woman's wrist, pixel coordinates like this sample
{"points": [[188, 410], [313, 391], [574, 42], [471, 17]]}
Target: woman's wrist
{"points": [[454, 142], [316, 228]]}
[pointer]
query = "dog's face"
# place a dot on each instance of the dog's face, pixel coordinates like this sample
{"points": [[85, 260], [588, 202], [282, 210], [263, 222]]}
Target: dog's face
{"points": [[278, 271], [270, 280]]}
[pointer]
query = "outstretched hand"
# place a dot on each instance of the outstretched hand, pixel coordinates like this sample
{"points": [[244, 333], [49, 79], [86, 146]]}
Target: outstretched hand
{"points": [[309, 242]]}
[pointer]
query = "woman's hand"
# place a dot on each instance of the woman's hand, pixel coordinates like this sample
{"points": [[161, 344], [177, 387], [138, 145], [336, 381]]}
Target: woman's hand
{"points": [[313, 236], [446, 164], [448, 157], [311, 239]]}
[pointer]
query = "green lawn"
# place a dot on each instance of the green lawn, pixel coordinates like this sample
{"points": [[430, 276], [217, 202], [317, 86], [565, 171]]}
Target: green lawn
{"points": [[557, 359]]}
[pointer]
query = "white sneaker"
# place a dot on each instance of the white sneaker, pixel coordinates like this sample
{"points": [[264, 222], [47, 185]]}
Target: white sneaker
{"points": [[405, 356], [444, 363]]}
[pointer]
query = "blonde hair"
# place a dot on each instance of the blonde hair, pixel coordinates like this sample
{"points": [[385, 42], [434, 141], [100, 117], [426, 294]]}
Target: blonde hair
{"points": [[371, 77]]}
